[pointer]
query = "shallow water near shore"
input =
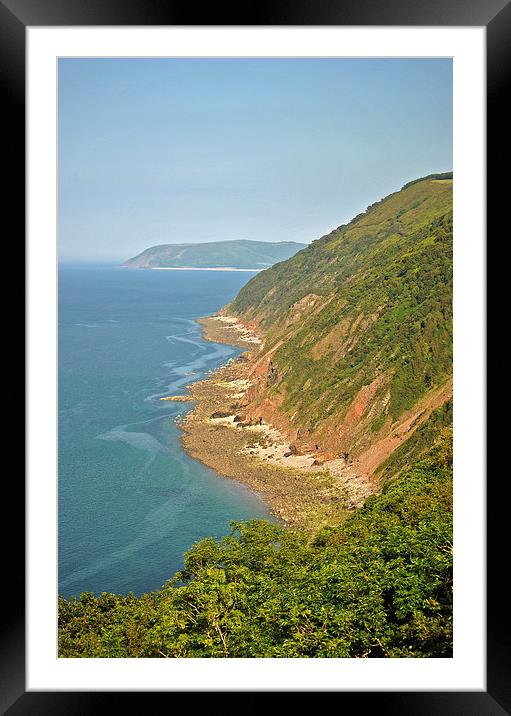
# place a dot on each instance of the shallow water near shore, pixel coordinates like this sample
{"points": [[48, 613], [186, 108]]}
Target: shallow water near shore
{"points": [[131, 501]]}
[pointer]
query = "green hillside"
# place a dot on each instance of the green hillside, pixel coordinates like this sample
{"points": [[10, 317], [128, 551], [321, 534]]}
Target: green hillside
{"points": [[216, 254], [360, 321]]}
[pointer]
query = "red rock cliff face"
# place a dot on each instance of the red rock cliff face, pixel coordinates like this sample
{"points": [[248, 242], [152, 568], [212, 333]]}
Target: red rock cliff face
{"points": [[351, 437], [258, 402]]}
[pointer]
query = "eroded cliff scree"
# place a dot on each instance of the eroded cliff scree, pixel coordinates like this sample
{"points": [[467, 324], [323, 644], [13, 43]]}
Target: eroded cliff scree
{"points": [[298, 489]]}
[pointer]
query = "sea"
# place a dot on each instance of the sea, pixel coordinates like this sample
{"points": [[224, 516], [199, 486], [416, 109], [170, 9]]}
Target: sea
{"points": [[131, 501]]}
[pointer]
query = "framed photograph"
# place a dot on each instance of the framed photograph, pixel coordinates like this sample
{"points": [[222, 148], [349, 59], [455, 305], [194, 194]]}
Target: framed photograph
{"points": [[273, 119]]}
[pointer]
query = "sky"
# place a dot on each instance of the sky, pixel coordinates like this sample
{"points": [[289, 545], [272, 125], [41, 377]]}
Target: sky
{"points": [[155, 151]]}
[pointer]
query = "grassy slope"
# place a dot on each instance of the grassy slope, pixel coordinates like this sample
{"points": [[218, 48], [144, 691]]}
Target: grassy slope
{"points": [[235, 254], [370, 301]]}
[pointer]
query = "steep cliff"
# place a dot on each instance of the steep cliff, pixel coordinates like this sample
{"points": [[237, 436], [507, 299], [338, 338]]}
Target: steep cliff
{"points": [[357, 330]]}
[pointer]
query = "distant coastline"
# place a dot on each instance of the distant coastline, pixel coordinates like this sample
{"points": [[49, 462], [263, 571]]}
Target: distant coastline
{"points": [[197, 268], [235, 255]]}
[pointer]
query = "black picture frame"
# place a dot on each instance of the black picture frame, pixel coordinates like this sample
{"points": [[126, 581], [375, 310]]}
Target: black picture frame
{"points": [[15, 17]]}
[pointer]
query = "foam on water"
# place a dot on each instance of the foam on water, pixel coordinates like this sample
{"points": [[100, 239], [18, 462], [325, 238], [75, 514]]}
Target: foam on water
{"points": [[141, 441]]}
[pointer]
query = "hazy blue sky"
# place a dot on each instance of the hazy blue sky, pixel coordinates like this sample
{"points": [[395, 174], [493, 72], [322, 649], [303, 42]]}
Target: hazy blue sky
{"points": [[183, 150]]}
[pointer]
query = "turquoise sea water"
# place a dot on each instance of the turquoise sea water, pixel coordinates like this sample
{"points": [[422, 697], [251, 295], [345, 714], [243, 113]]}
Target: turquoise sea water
{"points": [[131, 501]]}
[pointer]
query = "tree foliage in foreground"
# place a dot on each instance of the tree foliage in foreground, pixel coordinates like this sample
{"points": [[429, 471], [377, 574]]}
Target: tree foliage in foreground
{"points": [[379, 586]]}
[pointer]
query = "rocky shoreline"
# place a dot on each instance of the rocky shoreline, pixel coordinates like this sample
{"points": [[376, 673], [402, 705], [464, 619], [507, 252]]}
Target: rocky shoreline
{"points": [[298, 490]]}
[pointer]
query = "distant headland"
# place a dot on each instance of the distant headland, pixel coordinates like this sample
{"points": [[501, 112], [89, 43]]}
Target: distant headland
{"points": [[216, 255]]}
